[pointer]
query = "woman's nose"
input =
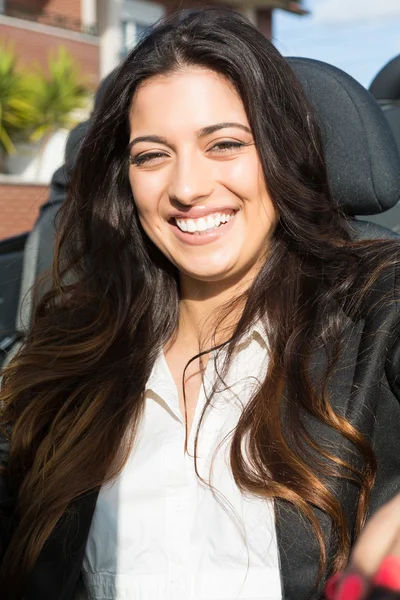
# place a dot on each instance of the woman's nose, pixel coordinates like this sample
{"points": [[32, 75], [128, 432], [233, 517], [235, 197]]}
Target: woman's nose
{"points": [[191, 180]]}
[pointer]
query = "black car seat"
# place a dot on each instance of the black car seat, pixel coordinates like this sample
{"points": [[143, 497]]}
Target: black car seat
{"points": [[386, 89], [362, 158]]}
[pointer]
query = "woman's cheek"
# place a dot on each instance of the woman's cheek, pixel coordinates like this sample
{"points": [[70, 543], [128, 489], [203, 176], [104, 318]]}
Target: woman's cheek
{"points": [[241, 176]]}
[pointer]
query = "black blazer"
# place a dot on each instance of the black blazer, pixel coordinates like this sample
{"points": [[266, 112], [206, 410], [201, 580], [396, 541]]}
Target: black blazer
{"points": [[365, 388]]}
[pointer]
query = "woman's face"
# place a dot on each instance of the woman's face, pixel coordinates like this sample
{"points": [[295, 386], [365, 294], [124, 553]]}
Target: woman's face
{"points": [[196, 177]]}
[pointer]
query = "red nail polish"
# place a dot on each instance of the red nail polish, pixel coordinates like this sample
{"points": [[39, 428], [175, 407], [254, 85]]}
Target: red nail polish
{"points": [[388, 574], [331, 586], [351, 588]]}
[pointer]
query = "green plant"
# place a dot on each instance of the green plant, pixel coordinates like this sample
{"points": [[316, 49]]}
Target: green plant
{"points": [[36, 103], [13, 105], [53, 96]]}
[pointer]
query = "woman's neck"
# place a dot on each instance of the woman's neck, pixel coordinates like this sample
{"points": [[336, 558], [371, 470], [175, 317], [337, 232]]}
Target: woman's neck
{"points": [[201, 311]]}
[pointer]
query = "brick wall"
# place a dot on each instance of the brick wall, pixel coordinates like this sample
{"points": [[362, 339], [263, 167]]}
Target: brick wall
{"points": [[66, 8], [33, 46], [31, 5], [19, 207]]}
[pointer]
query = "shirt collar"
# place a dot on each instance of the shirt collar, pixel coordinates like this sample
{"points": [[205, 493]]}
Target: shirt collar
{"points": [[160, 378], [257, 331]]}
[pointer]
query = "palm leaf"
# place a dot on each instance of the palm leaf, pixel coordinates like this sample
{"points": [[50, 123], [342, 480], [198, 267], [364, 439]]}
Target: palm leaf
{"points": [[37, 102], [11, 121], [54, 97]]}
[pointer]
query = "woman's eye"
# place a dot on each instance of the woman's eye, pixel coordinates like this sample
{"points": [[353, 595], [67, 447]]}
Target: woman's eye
{"points": [[145, 158], [220, 148], [226, 146]]}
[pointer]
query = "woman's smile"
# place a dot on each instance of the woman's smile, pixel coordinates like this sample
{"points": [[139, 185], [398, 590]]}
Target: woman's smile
{"points": [[204, 230]]}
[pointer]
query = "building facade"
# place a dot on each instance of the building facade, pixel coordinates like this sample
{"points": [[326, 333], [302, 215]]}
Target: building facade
{"points": [[121, 23], [37, 27], [99, 32]]}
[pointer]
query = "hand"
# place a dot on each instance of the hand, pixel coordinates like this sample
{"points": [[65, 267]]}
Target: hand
{"points": [[373, 572]]}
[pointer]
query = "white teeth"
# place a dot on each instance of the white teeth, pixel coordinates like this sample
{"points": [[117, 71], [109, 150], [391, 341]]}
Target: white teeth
{"points": [[191, 226], [201, 225], [210, 222], [204, 223], [182, 225]]}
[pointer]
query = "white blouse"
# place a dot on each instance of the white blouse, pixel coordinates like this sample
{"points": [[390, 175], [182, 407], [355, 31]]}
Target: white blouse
{"points": [[158, 532]]}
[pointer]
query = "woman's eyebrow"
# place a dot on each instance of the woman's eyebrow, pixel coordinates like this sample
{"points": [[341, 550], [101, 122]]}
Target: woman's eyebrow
{"points": [[156, 139], [212, 128]]}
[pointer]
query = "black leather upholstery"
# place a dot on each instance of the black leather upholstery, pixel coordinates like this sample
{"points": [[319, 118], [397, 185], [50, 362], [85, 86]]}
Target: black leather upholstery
{"points": [[386, 89], [362, 157], [386, 84]]}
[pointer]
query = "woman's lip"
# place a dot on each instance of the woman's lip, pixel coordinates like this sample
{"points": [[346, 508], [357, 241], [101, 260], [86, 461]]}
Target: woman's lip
{"points": [[205, 238]]}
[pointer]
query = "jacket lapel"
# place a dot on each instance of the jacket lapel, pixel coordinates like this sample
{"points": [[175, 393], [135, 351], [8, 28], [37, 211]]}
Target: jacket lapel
{"points": [[58, 567]]}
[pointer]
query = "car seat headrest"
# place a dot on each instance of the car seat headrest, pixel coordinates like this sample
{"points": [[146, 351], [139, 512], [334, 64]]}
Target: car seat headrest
{"points": [[392, 115], [386, 85], [362, 158]]}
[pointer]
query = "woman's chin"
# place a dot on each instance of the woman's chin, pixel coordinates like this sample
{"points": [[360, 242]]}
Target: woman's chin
{"points": [[207, 275]]}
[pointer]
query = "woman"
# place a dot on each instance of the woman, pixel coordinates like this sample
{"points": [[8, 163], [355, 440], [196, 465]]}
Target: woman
{"points": [[195, 413]]}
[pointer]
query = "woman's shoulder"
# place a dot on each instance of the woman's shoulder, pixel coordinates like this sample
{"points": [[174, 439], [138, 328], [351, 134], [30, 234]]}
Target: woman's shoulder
{"points": [[379, 293]]}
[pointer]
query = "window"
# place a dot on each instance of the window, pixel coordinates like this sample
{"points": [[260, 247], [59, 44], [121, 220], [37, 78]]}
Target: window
{"points": [[137, 18], [132, 33]]}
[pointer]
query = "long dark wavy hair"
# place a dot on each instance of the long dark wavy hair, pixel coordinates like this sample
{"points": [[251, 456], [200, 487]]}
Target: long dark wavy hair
{"points": [[75, 390]]}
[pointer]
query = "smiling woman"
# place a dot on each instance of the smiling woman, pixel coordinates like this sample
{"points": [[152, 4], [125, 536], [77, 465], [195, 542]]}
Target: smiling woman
{"points": [[205, 384], [190, 164]]}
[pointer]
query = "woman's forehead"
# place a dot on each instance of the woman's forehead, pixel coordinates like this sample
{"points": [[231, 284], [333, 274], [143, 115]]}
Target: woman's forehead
{"points": [[196, 97]]}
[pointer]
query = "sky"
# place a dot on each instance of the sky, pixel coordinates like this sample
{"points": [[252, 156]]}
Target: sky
{"points": [[358, 36]]}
